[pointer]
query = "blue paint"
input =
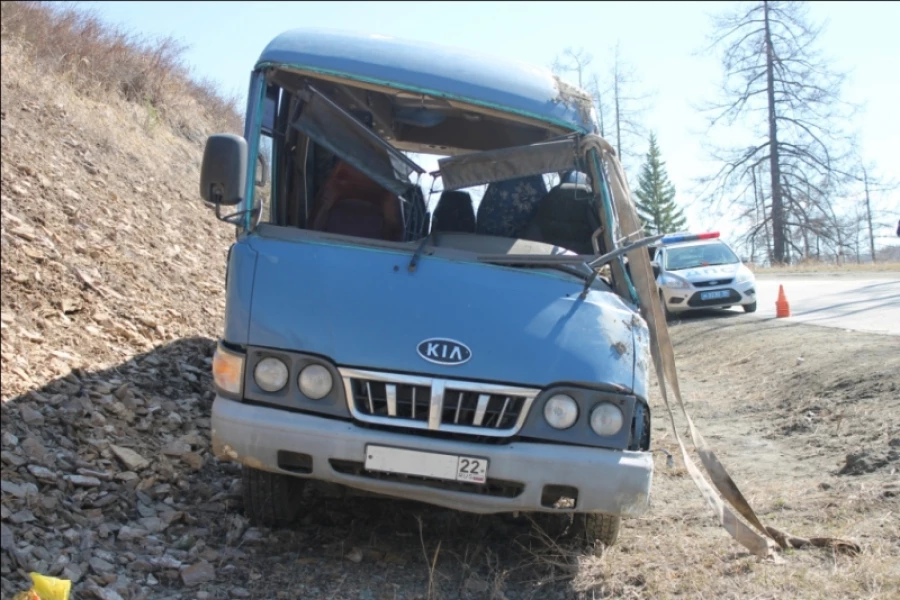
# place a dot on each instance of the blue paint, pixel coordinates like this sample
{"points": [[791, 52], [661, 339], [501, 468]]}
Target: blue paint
{"points": [[643, 361], [239, 293], [360, 307], [437, 70]]}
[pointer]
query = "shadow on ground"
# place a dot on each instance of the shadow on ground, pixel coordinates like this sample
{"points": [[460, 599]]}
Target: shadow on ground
{"points": [[168, 518]]}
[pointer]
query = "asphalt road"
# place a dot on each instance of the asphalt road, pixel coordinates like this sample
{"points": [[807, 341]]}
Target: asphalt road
{"points": [[859, 301]]}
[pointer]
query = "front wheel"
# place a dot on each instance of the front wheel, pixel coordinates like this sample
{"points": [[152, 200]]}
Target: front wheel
{"points": [[271, 499], [581, 527], [602, 529], [749, 308]]}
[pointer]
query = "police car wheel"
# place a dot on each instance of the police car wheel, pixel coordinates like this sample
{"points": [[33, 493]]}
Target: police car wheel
{"points": [[271, 499], [749, 308]]}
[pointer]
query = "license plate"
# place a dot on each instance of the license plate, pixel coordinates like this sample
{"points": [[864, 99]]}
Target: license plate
{"points": [[714, 295], [451, 467]]}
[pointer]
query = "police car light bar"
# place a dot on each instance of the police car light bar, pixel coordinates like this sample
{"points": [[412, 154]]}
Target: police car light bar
{"points": [[689, 237]]}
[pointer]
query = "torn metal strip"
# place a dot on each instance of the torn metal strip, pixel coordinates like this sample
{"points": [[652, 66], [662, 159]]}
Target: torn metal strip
{"points": [[479, 168], [769, 539]]}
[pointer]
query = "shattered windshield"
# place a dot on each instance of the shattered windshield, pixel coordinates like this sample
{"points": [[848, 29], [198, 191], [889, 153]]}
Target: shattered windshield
{"points": [[354, 143], [349, 162], [706, 255]]}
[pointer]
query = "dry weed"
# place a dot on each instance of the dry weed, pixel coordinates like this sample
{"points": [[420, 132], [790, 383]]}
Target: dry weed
{"points": [[100, 61], [816, 266]]}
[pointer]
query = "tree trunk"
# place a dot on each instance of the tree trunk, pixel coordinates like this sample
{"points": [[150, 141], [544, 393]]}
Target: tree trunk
{"points": [[618, 116], [869, 215], [616, 103], [778, 241], [766, 232], [760, 213], [600, 110], [599, 102]]}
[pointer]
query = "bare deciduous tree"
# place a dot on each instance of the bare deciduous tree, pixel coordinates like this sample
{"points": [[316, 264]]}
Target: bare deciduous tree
{"points": [[620, 109], [874, 217], [573, 61], [629, 107], [601, 102], [779, 85]]}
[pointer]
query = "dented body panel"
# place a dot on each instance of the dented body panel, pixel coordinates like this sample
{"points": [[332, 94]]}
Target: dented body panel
{"points": [[361, 307]]}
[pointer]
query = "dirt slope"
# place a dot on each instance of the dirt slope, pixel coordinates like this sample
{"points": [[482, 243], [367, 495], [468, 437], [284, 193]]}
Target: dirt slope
{"points": [[107, 248]]}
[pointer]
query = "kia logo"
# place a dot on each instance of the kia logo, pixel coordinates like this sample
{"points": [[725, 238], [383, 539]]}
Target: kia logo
{"points": [[444, 352]]}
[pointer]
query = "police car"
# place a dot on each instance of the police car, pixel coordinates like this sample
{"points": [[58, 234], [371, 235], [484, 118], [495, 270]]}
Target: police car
{"points": [[700, 271]]}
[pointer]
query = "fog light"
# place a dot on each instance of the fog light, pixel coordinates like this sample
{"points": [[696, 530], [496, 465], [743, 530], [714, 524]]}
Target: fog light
{"points": [[561, 411], [315, 382], [606, 419], [271, 374]]}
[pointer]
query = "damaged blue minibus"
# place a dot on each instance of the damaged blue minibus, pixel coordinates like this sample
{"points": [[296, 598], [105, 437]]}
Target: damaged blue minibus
{"points": [[466, 335]]}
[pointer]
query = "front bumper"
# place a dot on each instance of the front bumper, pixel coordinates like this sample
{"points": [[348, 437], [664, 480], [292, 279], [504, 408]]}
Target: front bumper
{"points": [[607, 481], [681, 300]]}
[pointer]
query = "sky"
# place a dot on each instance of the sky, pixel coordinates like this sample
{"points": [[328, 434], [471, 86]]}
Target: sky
{"points": [[665, 43]]}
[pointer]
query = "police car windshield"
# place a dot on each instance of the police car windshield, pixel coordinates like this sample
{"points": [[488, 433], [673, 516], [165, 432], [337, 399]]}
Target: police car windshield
{"points": [[700, 255]]}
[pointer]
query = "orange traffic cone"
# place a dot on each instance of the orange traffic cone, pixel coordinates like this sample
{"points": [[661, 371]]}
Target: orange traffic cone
{"points": [[782, 308]]}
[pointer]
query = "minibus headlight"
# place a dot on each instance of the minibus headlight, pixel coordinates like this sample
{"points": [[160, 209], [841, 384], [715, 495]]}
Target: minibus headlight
{"points": [[561, 411], [271, 374], [315, 382]]}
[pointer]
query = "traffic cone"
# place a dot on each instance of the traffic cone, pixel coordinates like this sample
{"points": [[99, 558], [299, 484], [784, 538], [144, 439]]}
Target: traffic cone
{"points": [[782, 308]]}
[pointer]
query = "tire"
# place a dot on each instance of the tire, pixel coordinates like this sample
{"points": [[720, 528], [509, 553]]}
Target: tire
{"points": [[749, 308], [271, 499], [581, 527], [602, 529], [553, 525]]}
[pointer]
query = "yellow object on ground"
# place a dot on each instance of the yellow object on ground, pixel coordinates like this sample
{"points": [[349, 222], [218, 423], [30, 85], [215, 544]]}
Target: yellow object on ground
{"points": [[46, 588]]}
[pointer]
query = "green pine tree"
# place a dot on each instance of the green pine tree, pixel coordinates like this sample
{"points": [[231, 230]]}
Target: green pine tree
{"points": [[655, 196]]}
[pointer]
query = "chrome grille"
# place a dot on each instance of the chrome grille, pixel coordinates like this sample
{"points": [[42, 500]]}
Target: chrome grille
{"points": [[379, 398], [712, 282], [436, 404]]}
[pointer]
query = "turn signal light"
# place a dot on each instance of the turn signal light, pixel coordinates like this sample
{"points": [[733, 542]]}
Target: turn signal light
{"points": [[228, 370]]}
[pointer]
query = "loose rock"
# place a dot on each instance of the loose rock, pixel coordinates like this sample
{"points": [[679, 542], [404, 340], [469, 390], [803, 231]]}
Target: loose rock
{"points": [[131, 459], [202, 572]]}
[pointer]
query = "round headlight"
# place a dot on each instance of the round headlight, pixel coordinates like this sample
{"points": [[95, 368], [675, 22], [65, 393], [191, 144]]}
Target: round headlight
{"points": [[315, 382], [606, 419], [271, 374], [561, 411]]}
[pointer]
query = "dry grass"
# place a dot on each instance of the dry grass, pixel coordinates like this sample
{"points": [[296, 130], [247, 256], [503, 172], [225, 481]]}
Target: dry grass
{"points": [[98, 60], [814, 266]]}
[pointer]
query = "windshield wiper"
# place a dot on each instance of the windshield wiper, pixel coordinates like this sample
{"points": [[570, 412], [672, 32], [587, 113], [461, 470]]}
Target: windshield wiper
{"points": [[611, 256], [593, 262], [414, 261]]}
